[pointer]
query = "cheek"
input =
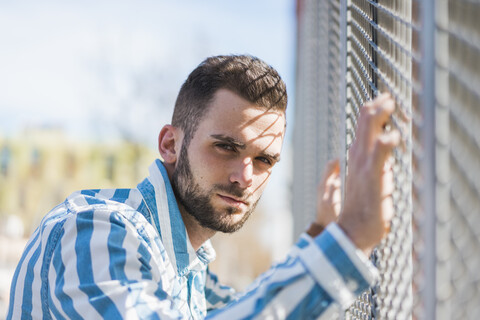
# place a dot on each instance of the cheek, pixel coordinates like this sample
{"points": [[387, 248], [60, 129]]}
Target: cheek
{"points": [[208, 169], [261, 181]]}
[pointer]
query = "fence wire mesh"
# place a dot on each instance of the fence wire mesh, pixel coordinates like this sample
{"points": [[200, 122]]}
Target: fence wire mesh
{"points": [[379, 44], [427, 55], [459, 63]]}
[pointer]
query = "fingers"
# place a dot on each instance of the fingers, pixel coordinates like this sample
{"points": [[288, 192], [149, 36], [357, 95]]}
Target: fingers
{"points": [[381, 108], [333, 168], [336, 199], [373, 119], [383, 149], [329, 194], [331, 178], [387, 212], [387, 182], [333, 188], [334, 194]]}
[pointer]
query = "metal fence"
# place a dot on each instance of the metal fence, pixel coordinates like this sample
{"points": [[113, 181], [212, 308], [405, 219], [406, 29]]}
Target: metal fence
{"points": [[427, 54]]}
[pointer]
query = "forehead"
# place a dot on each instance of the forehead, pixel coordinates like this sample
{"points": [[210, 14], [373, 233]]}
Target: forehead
{"points": [[231, 115]]}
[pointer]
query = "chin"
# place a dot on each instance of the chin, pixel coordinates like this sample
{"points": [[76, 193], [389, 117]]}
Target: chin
{"points": [[228, 222]]}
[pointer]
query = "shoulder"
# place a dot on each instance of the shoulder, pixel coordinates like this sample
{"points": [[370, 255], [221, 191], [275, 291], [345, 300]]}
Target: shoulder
{"points": [[103, 211], [118, 207]]}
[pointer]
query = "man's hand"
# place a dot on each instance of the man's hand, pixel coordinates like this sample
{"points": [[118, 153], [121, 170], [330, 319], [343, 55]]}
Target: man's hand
{"points": [[328, 199], [368, 207]]}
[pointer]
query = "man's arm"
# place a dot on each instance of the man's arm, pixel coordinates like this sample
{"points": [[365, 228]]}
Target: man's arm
{"points": [[319, 275]]}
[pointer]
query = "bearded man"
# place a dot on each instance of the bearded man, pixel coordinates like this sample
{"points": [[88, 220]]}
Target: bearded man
{"points": [[143, 253]]}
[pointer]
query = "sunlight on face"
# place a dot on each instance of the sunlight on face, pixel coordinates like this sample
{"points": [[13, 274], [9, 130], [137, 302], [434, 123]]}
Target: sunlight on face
{"points": [[222, 173]]}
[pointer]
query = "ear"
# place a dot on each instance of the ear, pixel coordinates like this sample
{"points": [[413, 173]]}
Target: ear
{"points": [[169, 143]]}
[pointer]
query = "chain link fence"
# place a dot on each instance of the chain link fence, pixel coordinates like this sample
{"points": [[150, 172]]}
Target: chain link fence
{"points": [[427, 55]]}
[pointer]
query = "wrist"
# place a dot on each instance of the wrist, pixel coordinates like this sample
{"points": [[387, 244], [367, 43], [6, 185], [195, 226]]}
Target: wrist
{"points": [[352, 231], [315, 229]]}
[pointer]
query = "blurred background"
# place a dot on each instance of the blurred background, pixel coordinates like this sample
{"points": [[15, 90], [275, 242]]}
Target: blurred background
{"points": [[85, 88]]}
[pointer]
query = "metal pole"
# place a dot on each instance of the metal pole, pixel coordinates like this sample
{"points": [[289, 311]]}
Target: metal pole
{"points": [[429, 157], [343, 91]]}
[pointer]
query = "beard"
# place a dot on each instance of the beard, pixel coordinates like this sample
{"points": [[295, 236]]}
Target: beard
{"points": [[198, 202]]}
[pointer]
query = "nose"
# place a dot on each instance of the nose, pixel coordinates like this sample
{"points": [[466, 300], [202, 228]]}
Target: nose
{"points": [[243, 173]]}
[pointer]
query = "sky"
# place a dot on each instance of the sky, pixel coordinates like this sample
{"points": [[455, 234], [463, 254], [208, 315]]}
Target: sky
{"points": [[84, 65], [107, 70]]}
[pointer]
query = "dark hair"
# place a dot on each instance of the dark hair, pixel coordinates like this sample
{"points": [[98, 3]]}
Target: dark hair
{"points": [[249, 77]]}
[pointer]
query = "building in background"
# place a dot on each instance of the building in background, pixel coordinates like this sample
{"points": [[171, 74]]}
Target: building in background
{"points": [[41, 167]]}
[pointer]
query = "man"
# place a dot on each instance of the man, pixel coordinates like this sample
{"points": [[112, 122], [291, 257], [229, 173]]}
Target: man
{"points": [[144, 252]]}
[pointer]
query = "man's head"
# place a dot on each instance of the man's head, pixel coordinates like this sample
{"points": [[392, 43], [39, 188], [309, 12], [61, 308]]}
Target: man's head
{"points": [[247, 76], [226, 135]]}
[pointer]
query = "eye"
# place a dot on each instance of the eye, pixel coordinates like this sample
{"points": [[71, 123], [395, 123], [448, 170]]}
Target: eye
{"points": [[265, 160], [225, 146]]}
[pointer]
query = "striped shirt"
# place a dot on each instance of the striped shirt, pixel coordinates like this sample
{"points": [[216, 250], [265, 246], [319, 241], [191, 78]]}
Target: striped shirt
{"points": [[125, 253]]}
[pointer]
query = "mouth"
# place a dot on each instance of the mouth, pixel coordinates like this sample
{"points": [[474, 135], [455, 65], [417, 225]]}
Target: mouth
{"points": [[233, 201]]}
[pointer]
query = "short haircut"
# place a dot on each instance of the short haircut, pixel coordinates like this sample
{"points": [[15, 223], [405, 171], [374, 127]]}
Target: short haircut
{"points": [[249, 77]]}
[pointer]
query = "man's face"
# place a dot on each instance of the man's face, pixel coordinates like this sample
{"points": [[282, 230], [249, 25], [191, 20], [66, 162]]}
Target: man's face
{"points": [[220, 176]]}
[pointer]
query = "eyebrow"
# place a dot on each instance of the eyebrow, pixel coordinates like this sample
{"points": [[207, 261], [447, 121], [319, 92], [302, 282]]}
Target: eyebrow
{"points": [[230, 140], [243, 146], [275, 157]]}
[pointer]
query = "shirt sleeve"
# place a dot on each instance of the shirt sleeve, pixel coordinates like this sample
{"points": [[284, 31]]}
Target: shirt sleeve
{"points": [[103, 268], [319, 276]]}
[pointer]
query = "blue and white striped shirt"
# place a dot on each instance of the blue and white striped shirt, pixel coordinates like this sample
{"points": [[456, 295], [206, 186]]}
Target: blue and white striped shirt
{"points": [[125, 253]]}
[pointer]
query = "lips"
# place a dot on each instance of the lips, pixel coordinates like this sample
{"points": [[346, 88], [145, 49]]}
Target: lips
{"points": [[232, 200]]}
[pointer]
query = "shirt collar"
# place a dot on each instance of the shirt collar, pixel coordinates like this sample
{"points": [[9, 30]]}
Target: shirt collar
{"points": [[167, 220]]}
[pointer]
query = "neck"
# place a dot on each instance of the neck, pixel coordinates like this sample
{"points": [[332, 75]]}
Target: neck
{"points": [[196, 233]]}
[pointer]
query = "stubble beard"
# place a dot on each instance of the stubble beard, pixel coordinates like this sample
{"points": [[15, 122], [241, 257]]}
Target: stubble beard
{"points": [[198, 203]]}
